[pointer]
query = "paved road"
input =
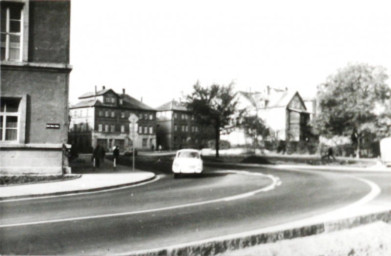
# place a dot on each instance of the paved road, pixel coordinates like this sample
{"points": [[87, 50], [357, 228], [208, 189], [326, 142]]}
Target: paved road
{"points": [[173, 211]]}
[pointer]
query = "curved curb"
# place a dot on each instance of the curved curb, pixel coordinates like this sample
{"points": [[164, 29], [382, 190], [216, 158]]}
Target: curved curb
{"points": [[78, 191], [232, 243]]}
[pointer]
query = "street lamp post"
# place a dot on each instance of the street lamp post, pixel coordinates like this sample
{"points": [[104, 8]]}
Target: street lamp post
{"points": [[133, 119]]}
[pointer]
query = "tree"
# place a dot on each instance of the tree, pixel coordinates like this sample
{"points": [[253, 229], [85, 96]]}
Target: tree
{"points": [[347, 102], [213, 106], [253, 127]]}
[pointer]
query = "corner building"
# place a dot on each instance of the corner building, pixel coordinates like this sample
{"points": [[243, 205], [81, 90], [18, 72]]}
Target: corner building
{"points": [[34, 86], [102, 117]]}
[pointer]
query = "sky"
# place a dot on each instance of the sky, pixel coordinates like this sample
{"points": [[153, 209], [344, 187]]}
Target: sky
{"points": [[157, 50]]}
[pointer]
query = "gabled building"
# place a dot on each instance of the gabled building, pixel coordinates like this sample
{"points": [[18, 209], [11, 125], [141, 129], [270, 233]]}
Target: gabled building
{"points": [[283, 111], [286, 114], [177, 128], [35, 38], [102, 117]]}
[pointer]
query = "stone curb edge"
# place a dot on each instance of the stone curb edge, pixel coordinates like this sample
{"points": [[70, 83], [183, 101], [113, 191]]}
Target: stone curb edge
{"points": [[77, 191], [307, 167], [210, 247]]}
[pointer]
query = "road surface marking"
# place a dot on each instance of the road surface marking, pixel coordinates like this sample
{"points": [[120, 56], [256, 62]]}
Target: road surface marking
{"points": [[224, 199], [375, 191]]}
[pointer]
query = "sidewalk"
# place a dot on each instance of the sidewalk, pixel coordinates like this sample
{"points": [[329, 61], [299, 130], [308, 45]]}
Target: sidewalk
{"points": [[103, 178]]}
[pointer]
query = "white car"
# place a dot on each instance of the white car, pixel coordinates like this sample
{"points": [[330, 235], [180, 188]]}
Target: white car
{"points": [[187, 161]]}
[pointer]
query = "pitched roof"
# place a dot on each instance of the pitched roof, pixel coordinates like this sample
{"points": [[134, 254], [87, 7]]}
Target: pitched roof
{"points": [[173, 105], [87, 100], [92, 94], [130, 102], [87, 103], [253, 97], [283, 99], [280, 99]]}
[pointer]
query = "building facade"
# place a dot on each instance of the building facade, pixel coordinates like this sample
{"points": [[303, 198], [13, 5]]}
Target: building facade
{"points": [[283, 111], [286, 114], [102, 117], [34, 86], [177, 128]]}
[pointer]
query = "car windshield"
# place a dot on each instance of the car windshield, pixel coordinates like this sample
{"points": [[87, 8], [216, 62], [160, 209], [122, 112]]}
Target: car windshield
{"points": [[188, 154]]}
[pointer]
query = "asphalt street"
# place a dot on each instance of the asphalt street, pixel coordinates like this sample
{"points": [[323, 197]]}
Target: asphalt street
{"points": [[174, 211]]}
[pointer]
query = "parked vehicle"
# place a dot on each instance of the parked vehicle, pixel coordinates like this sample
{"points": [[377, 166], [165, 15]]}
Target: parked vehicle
{"points": [[385, 151], [187, 161]]}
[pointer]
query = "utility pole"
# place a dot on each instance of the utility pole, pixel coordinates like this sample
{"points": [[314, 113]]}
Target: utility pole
{"points": [[133, 119]]}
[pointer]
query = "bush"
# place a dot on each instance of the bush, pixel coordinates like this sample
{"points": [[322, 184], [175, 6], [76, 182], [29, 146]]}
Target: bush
{"points": [[223, 144]]}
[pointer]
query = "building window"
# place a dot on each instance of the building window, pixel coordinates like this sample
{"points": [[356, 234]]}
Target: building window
{"points": [[140, 130], [151, 130], [112, 114], [100, 128], [112, 128], [140, 116], [122, 114], [122, 128], [176, 128], [145, 141], [146, 116], [145, 130], [175, 115], [9, 119], [11, 32], [100, 113], [107, 113], [121, 101], [106, 128], [150, 117]]}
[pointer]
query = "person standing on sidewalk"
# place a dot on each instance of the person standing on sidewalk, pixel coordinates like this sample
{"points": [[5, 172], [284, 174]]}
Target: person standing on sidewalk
{"points": [[115, 156], [96, 156]]}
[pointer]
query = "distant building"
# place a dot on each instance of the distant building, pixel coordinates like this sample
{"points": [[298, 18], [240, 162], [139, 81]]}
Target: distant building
{"points": [[286, 114], [283, 111], [310, 104], [102, 117], [177, 128], [35, 38]]}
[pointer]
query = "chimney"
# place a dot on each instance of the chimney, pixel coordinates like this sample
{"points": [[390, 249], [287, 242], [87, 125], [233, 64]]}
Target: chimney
{"points": [[96, 89], [123, 91], [268, 90], [103, 87]]}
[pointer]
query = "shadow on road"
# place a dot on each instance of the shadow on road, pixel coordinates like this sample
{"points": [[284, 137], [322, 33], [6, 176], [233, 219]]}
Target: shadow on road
{"points": [[202, 175]]}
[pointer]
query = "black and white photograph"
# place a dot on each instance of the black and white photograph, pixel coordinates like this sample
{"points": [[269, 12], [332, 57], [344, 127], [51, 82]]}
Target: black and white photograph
{"points": [[195, 128]]}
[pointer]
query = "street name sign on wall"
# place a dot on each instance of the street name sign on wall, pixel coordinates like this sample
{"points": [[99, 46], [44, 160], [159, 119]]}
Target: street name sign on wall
{"points": [[52, 126]]}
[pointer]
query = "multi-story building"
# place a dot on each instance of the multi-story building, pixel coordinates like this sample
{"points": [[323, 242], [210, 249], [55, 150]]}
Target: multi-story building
{"points": [[35, 38], [102, 117], [177, 128]]}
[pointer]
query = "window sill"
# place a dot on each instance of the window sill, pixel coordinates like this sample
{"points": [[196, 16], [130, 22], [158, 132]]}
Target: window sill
{"points": [[15, 145], [36, 65]]}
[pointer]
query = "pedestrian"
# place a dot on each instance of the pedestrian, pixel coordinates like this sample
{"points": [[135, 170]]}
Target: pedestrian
{"points": [[330, 154], [115, 156], [160, 148], [102, 154], [96, 155]]}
